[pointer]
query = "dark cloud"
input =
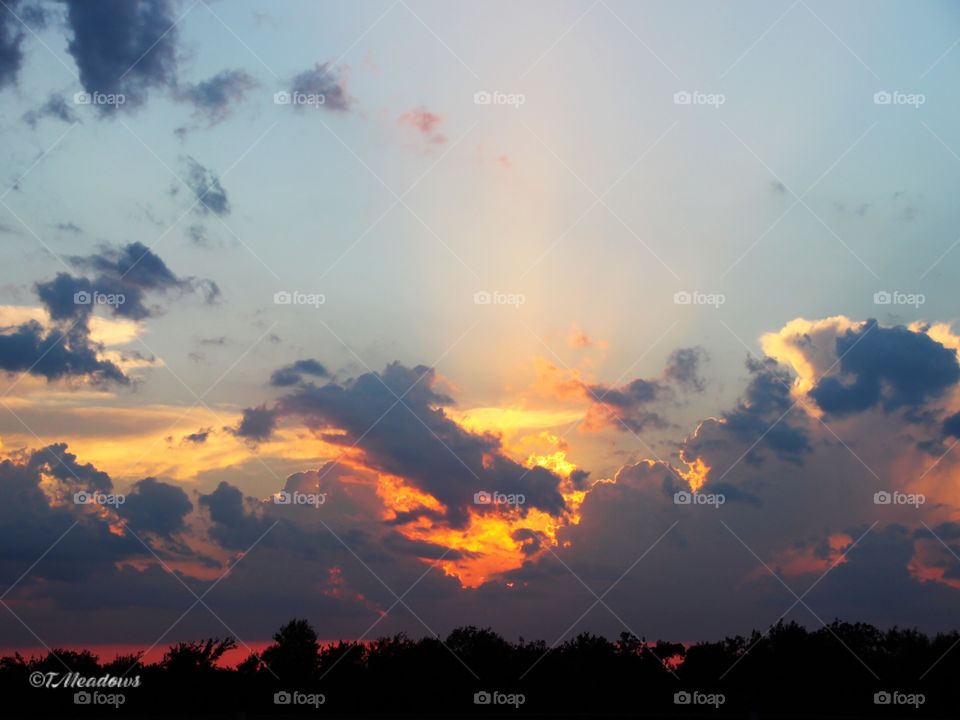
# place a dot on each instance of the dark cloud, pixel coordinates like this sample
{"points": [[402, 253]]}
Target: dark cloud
{"points": [[760, 421], [293, 373], [322, 81], [639, 404], [121, 279], [134, 270], [198, 235], [631, 407], [951, 426], [684, 366], [55, 107], [234, 520], [199, 437], [31, 521], [205, 184], [123, 47], [893, 367], [70, 227], [257, 424], [419, 548], [60, 352], [214, 98], [412, 438], [12, 34], [156, 507]]}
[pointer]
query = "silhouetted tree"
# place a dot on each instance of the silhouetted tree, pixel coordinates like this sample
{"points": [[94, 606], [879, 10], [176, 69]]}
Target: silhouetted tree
{"points": [[293, 657]]}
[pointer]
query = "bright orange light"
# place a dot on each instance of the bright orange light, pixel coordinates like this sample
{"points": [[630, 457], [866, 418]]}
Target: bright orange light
{"points": [[696, 476], [489, 544]]}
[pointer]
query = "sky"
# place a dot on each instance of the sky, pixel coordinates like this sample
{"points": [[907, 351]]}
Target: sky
{"points": [[550, 317]]}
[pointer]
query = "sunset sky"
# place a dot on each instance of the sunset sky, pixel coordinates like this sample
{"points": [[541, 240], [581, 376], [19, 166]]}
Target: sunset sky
{"points": [[379, 257]]}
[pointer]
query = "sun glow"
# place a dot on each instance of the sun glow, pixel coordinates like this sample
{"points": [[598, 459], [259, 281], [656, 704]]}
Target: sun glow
{"points": [[496, 538]]}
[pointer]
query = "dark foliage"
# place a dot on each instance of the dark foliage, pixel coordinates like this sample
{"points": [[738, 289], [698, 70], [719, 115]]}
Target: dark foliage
{"points": [[788, 671]]}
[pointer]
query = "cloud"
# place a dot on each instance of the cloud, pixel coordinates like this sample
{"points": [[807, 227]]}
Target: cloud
{"points": [[70, 227], [56, 353], [124, 48], [683, 368], [797, 500], [214, 98], [156, 507], [121, 279], [413, 439], [11, 43], [205, 184], [893, 367], [37, 506], [131, 271], [424, 122], [55, 107], [293, 373], [199, 437], [198, 235], [759, 422], [257, 424], [638, 404], [951, 426], [322, 81]]}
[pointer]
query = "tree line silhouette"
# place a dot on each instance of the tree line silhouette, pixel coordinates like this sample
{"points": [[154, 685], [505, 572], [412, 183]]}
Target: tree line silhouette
{"points": [[841, 670]]}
